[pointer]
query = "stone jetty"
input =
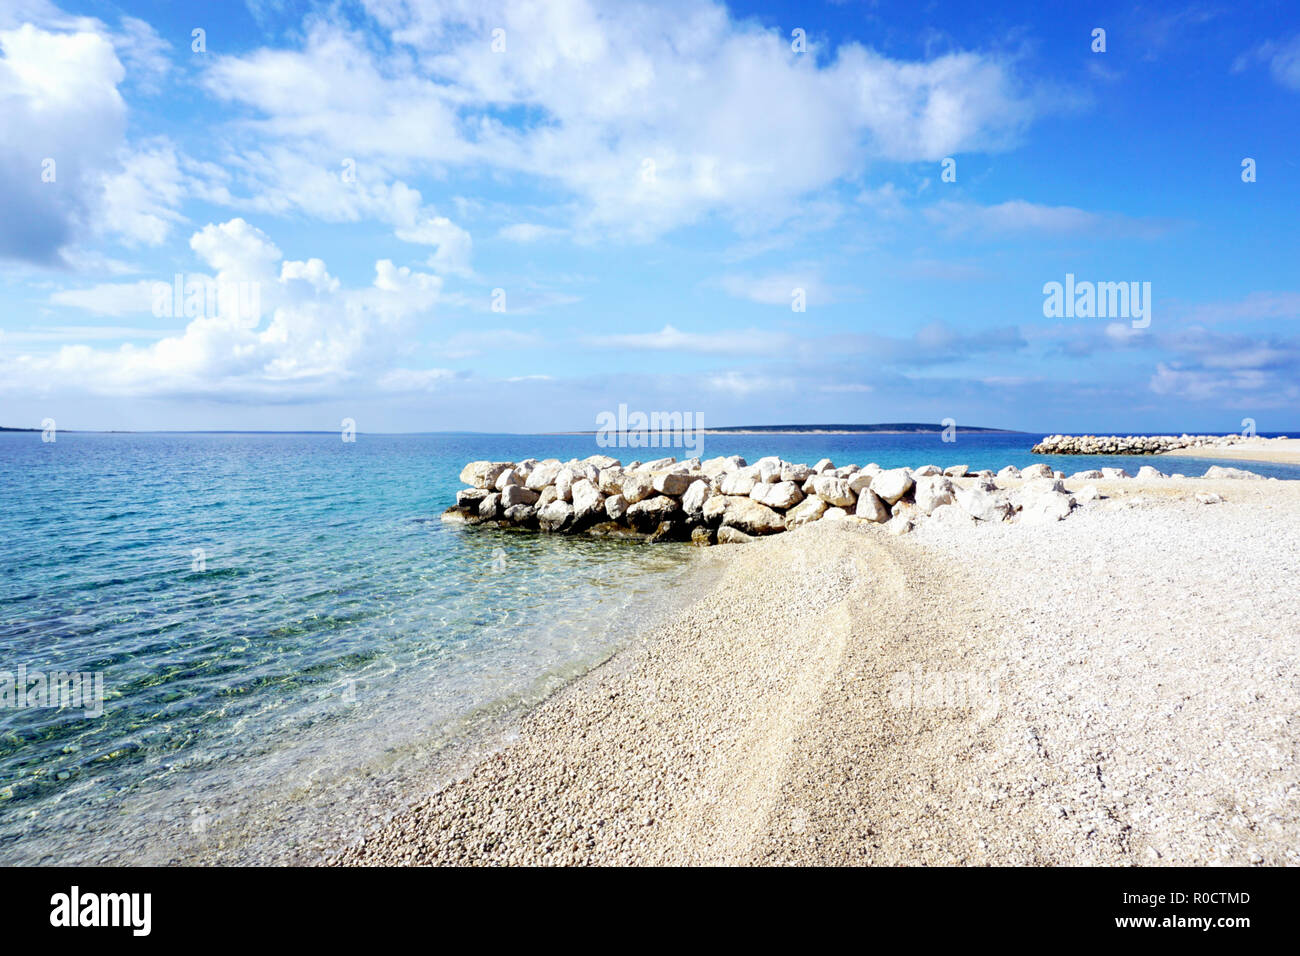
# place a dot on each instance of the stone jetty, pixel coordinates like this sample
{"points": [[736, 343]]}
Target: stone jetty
{"points": [[1138, 444], [727, 500]]}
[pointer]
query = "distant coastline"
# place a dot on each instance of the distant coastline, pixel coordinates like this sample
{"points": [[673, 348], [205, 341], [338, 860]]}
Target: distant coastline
{"points": [[887, 428]]}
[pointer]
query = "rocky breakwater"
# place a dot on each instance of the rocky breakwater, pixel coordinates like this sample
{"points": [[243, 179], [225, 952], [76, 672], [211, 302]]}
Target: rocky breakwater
{"points": [[1138, 444], [726, 500]]}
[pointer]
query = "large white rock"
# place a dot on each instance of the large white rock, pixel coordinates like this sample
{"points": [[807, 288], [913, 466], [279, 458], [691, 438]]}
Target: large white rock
{"points": [[983, 504], [933, 491], [1112, 473], [1218, 471], [899, 524], [751, 517], [769, 469], [810, 509], [483, 474], [610, 480], [564, 484], [796, 473], [556, 516], [600, 462], [489, 506], [860, 481], [1043, 502], [871, 507], [659, 464], [714, 508], [694, 497], [721, 466], [738, 483], [616, 507], [1092, 474], [1039, 470], [544, 474], [1147, 472], [508, 477], [670, 484], [637, 487], [781, 495], [512, 495], [822, 466], [957, 471], [588, 502], [926, 471], [834, 491], [951, 516], [1011, 471], [648, 514], [892, 485], [730, 535]]}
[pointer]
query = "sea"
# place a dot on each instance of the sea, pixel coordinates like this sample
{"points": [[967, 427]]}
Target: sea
{"points": [[290, 644]]}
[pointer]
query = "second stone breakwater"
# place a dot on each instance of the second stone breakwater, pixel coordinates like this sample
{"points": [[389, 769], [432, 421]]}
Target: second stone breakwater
{"points": [[728, 501], [1139, 444]]}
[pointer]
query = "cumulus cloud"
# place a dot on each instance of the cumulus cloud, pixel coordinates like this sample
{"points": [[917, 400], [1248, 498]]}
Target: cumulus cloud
{"points": [[651, 115], [69, 171], [270, 329], [64, 120]]}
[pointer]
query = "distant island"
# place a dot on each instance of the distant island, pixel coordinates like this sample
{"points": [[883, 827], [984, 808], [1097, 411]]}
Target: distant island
{"points": [[880, 428], [885, 428]]}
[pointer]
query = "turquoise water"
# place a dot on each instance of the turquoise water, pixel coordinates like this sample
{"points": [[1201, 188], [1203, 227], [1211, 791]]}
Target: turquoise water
{"points": [[288, 636]]}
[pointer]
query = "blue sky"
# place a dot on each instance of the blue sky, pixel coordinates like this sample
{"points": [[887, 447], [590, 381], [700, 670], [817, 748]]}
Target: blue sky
{"points": [[642, 191]]}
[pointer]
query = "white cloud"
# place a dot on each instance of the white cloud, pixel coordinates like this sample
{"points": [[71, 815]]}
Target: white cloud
{"points": [[140, 200], [59, 104], [109, 298], [1019, 217], [670, 339], [528, 232], [415, 380], [779, 288], [651, 115], [1283, 61], [309, 336], [452, 244]]}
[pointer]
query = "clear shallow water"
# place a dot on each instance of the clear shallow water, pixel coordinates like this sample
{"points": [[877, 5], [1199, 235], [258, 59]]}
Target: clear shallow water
{"points": [[335, 641]]}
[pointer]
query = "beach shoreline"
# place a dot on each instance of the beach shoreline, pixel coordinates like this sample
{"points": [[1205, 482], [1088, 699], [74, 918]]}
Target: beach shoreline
{"points": [[1282, 451], [1143, 710]]}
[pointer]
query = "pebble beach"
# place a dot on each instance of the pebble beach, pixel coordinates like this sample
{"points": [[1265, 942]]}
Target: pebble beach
{"points": [[1117, 688]]}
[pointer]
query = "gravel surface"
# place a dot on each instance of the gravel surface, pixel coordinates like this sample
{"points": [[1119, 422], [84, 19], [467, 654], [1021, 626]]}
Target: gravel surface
{"points": [[1285, 450], [1120, 687]]}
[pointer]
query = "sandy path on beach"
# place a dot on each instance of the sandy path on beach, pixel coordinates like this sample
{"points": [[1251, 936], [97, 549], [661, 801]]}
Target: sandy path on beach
{"points": [[1121, 687], [1285, 451]]}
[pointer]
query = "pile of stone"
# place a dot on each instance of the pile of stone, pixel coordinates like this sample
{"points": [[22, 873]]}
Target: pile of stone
{"points": [[1137, 444], [726, 500]]}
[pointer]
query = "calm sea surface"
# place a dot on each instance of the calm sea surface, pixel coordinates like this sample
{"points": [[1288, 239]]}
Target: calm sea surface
{"points": [[289, 638]]}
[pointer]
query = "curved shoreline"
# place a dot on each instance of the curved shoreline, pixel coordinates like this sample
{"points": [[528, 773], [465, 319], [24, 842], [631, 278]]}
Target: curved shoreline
{"points": [[762, 723], [1279, 451]]}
